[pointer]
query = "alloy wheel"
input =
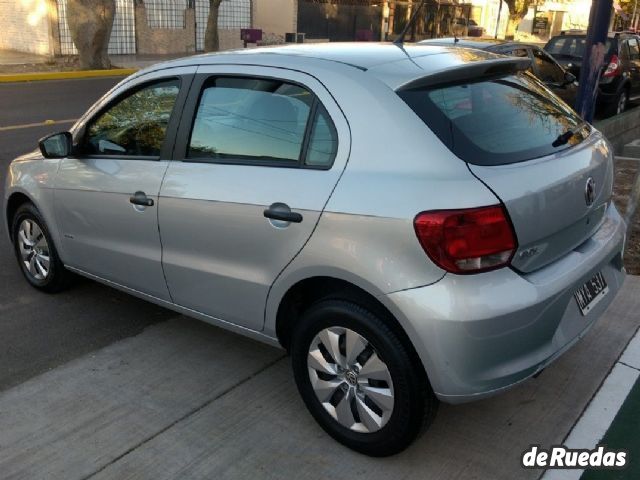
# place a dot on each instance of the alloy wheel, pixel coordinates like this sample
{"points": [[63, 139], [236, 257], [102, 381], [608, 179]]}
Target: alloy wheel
{"points": [[350, 380], [622, 103], [34, 249]]}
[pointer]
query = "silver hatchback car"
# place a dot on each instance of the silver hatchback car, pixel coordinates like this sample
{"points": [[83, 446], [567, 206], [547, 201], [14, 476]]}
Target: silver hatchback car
{"points": [[412, 224]]}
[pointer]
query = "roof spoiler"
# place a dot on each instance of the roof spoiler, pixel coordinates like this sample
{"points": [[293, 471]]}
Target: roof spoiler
{"points": [[470, 71]]}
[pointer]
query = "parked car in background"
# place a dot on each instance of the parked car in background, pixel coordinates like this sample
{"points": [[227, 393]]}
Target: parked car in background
{"points": [[620, 77], [543, 66], [450, 249], [467, 28]]}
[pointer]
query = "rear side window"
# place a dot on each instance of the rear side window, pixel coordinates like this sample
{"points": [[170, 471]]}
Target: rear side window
{"points": [[323, 141], [496, 121], [569, 46], [261, 121]]}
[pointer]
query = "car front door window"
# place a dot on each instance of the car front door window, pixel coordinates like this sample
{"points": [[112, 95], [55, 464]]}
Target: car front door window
{"points": [[134, 126], [547, 70]]}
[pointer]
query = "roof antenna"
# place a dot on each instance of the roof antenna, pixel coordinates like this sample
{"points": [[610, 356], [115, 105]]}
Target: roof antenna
{"points": [[414, 17]]}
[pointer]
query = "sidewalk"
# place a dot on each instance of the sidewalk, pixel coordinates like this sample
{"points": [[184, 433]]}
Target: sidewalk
{"points": [[18, 66], [185, 400]]}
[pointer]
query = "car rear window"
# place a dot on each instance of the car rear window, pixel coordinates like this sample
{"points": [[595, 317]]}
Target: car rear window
{"points": [[496, 121], [569, 46]]}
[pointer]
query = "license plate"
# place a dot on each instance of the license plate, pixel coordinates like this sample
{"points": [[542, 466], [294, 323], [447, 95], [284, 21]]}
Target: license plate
{"points": [[589, 294]]}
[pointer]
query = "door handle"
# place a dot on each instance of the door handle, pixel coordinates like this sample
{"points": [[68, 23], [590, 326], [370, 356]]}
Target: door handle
{"points": [[140, 198], [282, 212]]}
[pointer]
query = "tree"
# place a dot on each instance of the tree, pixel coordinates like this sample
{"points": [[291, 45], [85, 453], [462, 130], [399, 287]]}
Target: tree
{"points": [[211, 37], [517, 11], [90, 23]]}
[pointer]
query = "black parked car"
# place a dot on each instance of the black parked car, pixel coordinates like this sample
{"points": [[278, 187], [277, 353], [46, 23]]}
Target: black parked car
{"points": [[620, 77], [543, 66]]}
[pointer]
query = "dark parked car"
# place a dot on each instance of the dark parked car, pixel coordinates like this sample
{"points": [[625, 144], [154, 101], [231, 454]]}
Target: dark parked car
{"points": [[620, 77], [543, 66]]}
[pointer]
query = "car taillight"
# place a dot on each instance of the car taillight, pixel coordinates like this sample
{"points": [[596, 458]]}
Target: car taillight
{"points": [[613, 69], [467, 241]]}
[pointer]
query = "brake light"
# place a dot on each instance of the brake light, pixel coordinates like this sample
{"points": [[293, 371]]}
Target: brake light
{"points": [[467, 241], [614, 67]]}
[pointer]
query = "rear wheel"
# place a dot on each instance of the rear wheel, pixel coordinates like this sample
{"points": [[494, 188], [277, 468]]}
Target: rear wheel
{"points": [[35, 251], [359, 380]]}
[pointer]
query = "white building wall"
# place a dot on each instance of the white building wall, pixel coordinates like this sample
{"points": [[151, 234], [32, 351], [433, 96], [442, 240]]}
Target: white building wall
{"points": [[24, 26]]}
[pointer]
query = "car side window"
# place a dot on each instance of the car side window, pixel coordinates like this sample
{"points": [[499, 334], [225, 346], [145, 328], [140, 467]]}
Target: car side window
{"points": [[634, 49], [518, 52], [136, 124], [261, 121], [323, 141], [548, 70]]}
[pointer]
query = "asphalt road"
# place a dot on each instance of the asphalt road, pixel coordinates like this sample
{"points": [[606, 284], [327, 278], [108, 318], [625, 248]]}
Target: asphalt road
{"points": [[37, 331]]}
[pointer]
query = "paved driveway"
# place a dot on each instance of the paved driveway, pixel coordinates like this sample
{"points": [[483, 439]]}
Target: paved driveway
{"points": [[184, 400]]}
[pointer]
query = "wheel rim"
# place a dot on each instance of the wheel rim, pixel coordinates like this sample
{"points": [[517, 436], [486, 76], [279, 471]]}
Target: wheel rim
{"points": [[34, 249], [622, 102], [350, 380]]}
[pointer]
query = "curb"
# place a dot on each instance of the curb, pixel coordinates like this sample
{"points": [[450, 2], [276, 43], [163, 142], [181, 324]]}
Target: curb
{"points": [[38, 76]]}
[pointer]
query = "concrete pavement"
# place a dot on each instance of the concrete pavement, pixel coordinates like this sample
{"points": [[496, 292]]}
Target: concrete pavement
{"points": [[185, 400], [39, 332]]}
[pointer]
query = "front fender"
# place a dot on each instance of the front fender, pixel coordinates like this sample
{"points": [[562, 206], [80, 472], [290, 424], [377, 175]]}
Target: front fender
{"points": [[34, 177]]}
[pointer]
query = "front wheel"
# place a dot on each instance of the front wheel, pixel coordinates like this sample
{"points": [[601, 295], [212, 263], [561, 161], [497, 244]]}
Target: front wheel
{"points": [[359, 380], [35, 251]]}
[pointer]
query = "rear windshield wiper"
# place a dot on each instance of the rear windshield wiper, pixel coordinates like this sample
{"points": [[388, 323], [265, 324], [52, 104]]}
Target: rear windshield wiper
{"points": [[568, 135]]}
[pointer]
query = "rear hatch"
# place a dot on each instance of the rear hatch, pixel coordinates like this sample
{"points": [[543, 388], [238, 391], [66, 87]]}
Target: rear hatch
{"points": [[513, 134]]}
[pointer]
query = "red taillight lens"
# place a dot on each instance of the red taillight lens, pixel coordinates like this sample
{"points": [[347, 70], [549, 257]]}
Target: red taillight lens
{"points": [[613, 69], [467, 241]]}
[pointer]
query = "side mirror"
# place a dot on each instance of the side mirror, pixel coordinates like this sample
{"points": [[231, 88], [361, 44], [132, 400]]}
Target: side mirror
{"points": [[569, 78], [57, 145]]}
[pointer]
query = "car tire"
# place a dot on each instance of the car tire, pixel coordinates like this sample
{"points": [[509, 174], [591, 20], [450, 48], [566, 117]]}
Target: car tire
{"points": [[370, 410], [620, 104], [35, 251]]}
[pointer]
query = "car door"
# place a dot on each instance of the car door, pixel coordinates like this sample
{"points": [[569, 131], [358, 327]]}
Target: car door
{"points": [[634, 66], [553, 76], [259, 152], [106, 194]]}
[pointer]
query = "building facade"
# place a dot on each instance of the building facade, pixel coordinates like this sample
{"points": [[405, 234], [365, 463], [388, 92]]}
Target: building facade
{"points": [[140, 26]]}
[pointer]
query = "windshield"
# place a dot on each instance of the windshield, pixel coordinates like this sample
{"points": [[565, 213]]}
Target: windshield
{"points": [[569, 46], [497, 121]]}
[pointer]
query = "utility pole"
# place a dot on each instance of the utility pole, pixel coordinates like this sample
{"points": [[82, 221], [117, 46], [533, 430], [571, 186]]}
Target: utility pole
{"points": [[593, 59]]}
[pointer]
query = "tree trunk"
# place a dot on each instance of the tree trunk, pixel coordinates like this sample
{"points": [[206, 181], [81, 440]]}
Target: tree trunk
{"points": [[512, 23], [90, 23], [211, 37]]}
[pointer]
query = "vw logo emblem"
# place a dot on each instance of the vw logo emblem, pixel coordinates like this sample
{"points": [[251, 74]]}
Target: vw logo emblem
{"points": [[590, 192], [351, 377]]}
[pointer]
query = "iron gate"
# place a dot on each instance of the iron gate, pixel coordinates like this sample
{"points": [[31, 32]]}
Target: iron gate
{"points": [[233, 14], [123, 34], [167, 14]]}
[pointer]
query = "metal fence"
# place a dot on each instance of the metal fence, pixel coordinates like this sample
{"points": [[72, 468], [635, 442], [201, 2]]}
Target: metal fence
{"points": [[165, 13], [123, 34], [233, 14]]}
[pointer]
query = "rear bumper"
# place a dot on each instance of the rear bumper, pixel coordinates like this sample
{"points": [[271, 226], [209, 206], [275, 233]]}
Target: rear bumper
{"points": [[480, 334]]}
